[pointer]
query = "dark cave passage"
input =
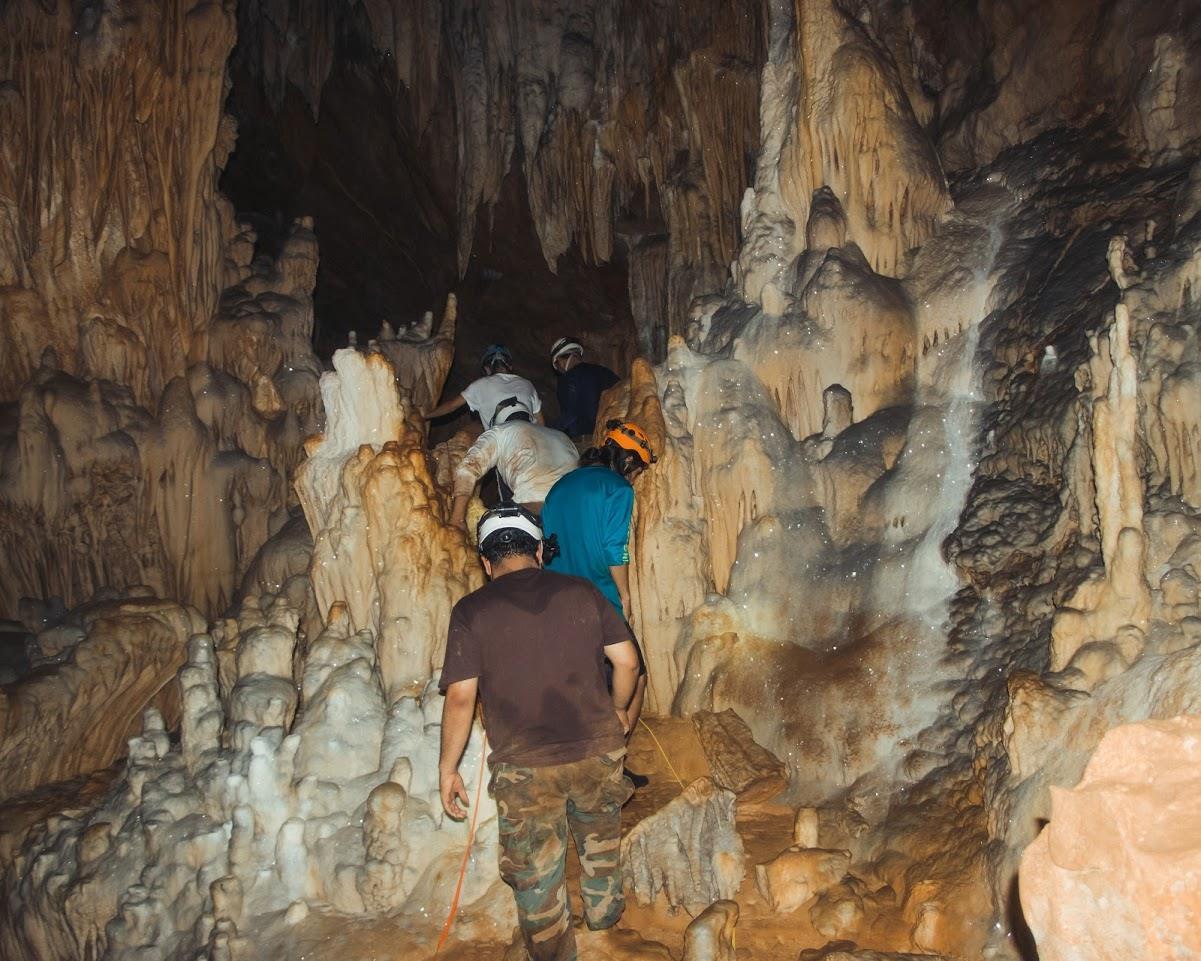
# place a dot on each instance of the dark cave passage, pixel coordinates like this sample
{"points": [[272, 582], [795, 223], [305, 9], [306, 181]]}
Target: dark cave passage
{"points": [[382, 197], [380, 145]]}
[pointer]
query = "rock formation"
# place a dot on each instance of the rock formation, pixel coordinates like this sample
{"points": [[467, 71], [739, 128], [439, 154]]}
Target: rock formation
{"points": [[794, 876], [688, 852], [114, 234], [89, 697], [739, 765], [1114, 874], [181, 496], [306, 771], [915, 288]]}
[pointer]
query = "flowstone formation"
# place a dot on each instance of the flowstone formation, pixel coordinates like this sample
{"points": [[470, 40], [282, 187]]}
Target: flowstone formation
{"points": [[95, 672], [916, 289], [304, 782], [113, 239]]}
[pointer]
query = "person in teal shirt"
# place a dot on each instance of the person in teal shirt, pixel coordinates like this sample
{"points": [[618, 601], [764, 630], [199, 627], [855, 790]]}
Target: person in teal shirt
{"points": [[589, 510], [588, 513]]}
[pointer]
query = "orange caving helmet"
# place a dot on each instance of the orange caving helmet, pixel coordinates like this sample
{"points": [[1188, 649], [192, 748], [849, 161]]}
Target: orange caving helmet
{"points": [[631, 437]]}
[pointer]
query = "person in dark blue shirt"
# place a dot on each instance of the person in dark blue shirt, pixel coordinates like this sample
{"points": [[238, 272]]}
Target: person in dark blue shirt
{"points": [[580, 387]]}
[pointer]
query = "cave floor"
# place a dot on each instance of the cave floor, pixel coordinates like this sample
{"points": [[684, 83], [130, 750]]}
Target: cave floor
{"points": [[645, 933]]}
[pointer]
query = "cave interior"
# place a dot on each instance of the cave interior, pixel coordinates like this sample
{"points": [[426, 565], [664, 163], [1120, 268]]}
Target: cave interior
{"points": [[905, 294]]}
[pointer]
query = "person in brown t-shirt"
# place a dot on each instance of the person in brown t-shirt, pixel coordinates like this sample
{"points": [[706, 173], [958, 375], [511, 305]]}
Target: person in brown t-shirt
{"points": [[532, 645]]}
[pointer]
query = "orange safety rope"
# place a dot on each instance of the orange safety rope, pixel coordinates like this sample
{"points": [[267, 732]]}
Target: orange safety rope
{"points": [[475, 811]]}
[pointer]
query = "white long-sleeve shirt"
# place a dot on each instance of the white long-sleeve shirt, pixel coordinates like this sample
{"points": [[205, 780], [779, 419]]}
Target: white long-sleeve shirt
{"points": [[529, 457]]}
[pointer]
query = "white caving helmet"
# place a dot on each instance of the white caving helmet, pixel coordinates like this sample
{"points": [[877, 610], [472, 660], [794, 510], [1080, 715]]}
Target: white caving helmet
{"points": [[508, 409], [565, 345], [499, 525]]}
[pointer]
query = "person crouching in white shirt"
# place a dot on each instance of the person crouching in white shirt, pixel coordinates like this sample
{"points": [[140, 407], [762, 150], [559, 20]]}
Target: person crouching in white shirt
{"points": [[528, 457]]}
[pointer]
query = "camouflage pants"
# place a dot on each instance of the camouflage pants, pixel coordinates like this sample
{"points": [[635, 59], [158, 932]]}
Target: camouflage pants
{"points": [[537, 806]]}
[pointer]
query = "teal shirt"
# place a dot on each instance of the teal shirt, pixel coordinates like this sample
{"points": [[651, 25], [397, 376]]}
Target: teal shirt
{"points": [[589, 510]]}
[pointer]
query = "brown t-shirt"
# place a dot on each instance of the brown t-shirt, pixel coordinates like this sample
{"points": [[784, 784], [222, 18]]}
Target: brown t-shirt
{"points": [[536, 640]]}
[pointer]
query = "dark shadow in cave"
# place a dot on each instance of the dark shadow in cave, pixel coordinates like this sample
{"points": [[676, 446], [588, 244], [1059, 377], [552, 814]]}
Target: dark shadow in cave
{"points": [[1023, 937], [509, 295], [382, 195]]}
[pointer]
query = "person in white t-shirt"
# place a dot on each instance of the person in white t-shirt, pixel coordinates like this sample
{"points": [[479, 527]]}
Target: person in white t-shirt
{"points": [[498, 384], [530, 458]]}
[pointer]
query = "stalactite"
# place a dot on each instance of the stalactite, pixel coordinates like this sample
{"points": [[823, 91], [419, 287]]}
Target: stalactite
{"points": [[112, 210], [598, 101]]}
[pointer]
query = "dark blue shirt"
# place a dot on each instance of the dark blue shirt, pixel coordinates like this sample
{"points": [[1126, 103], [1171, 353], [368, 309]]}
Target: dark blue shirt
{"points": [[579, 397]]}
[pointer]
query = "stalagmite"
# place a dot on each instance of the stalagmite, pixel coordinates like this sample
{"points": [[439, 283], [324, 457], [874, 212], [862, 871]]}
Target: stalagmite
{"points": [[710, 936], [688, 852], [905, 296], [421, 357], [795, 875], [1121, 599], [370, 499]]}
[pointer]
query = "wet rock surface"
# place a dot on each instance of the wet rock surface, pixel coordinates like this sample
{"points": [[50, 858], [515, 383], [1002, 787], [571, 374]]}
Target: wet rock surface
{"points": [[915, 290]]}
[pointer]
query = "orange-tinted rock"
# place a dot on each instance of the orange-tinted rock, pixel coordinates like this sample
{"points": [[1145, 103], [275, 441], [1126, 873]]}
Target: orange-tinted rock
{"points": [[1116, 874]]}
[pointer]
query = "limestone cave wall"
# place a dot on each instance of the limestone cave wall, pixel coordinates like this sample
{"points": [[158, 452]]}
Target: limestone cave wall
{"points": [[908, 304]]}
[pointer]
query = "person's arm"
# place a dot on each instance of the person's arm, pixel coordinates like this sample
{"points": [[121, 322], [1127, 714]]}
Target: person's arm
{"points": [[457, 712], [446, 407], [535, 402], [479, 459], [621, 577], [458, 511], [624, 659]]}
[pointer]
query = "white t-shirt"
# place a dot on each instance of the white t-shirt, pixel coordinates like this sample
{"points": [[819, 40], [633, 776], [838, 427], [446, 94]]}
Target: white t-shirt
{"points": [[529, 457], [483, 395]]}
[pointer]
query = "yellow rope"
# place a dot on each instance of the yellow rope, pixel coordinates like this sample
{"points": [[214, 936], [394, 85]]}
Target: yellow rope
{"points": [[661, 751], [670, 767]]}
